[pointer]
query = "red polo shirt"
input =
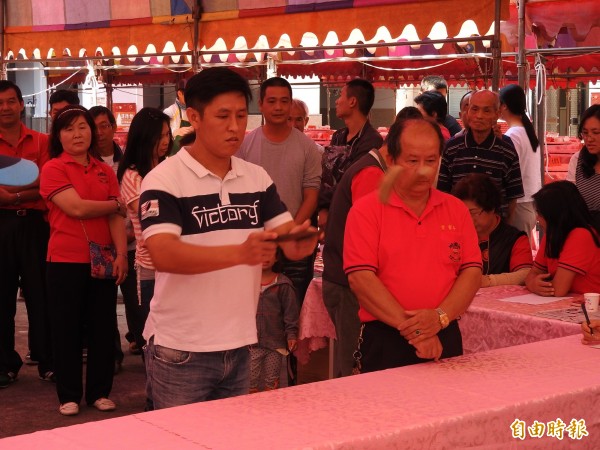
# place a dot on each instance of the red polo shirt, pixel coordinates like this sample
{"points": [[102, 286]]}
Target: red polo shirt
{"points": [[580, 255], [97, 181], [34, 147], [416, 258]]}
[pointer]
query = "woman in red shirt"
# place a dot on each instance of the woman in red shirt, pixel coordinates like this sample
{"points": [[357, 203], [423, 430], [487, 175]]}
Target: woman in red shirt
{"points": [[570, 249], [82, 194]]}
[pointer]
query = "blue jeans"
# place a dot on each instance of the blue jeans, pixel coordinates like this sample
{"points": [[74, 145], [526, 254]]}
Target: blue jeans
{"points": [[176, 377]]}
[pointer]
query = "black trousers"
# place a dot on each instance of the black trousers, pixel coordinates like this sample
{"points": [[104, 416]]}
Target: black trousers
{"points": [[23, 247], [75, 299], [384, 347]]}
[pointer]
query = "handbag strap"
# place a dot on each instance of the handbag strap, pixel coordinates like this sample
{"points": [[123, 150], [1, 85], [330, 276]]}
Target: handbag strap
{"points": [[84, 231]]}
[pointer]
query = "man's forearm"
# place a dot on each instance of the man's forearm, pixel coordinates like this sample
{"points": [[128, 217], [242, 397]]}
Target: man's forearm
{"points": [[374, 297], [308, 205], [462, 292]]}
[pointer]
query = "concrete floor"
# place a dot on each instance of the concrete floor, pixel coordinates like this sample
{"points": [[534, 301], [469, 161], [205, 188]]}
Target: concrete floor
{"points": [[30, 405]]}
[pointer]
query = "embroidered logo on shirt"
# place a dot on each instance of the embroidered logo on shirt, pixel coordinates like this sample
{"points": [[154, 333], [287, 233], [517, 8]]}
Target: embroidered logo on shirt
{"points": [[102, 177], [149, 209], [454, 254]]}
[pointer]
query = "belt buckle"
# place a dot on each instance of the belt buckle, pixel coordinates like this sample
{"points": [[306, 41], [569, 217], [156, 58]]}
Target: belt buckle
{"points": [[21, 212]]}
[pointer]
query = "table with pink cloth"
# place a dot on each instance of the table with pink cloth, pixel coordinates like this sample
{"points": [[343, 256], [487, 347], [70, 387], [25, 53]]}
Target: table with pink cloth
{"points": [[463, 402], [488, 324]]}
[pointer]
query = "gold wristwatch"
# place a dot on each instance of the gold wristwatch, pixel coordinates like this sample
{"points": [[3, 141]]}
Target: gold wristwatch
{"points": [[444, 321]]}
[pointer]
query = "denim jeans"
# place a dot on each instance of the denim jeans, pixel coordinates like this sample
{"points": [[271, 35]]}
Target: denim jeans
{"points": [[176, 377]]}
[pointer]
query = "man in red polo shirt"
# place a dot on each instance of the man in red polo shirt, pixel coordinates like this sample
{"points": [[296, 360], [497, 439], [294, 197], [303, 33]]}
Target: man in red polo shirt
{"points": [[412, 259], [24, 235]]}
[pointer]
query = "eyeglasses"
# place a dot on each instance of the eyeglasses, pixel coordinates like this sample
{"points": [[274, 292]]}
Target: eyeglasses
{"points": [[588, 134], [104, 126], [476, 212]]}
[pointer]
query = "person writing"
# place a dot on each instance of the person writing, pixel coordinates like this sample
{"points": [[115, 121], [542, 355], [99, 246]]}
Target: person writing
{"points": [[505, 251], [570, 249], [591, 332]]}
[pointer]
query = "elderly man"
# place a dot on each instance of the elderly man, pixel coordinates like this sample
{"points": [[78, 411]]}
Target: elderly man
{"points": [[298, 114], [412, 259], [480, 150]]}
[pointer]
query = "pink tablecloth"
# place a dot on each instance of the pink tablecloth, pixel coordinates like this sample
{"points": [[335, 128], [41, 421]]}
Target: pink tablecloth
{"points": [[487, 325], [464, 402], [316, 326], [490, 323]]}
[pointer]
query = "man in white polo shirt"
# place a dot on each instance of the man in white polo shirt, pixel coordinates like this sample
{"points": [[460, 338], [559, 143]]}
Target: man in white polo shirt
{"points": [[209, 220]]}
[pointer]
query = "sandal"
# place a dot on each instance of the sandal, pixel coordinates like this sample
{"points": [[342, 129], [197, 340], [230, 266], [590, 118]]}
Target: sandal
{"points": [[69, 409], [104, 404]]}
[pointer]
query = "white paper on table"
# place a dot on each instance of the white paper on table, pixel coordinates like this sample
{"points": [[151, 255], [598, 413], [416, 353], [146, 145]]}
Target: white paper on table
{"points": [[532, 299]]}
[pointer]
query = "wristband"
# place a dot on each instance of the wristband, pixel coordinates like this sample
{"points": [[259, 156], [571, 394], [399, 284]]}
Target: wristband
{"points": [[118, 205]]}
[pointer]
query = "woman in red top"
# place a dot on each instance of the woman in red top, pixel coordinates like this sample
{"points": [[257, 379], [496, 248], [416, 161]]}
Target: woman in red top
{"points": [[82, 195], [570, 250]]}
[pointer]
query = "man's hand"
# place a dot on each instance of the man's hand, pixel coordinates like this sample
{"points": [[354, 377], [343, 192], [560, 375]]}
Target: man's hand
{"points": [[423, 324], [258, 248], [588, 337], [292, 345], [6, 198], [299, 249], [540, 285], [430, 348]]}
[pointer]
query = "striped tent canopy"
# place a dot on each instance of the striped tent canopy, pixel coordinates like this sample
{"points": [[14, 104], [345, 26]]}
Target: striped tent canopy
{"points": [[47, 28]]}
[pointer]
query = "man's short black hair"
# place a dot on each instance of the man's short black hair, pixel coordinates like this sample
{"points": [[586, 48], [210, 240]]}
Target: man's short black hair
{"points": [[364, 93], [274, 82], [5, 85], [433, 82], [64, 95], [203, 87], [96, 111], [433, 102]]}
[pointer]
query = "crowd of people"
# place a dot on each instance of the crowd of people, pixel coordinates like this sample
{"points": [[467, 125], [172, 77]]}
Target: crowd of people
{"points": [[213, 245]]}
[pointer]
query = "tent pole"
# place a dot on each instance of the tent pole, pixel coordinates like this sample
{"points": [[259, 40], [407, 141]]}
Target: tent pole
{"points": [[197, 14], [3, 72], [521, 58], [496, 51]]}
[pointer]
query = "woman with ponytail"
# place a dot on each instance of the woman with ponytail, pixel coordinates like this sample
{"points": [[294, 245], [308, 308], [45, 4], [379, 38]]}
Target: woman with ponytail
{"points": [[522, 134]]}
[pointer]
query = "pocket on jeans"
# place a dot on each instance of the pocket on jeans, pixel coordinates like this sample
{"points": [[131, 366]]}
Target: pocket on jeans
{"points": [[170, 355]]}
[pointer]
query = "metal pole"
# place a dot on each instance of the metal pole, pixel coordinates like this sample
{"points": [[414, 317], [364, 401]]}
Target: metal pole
{"points": [[496, 51], [521, 58], [3, 73], [197, 13]]}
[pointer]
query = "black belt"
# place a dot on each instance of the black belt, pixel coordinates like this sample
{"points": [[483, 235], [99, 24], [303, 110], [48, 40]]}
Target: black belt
{"points": [[21, 212]]}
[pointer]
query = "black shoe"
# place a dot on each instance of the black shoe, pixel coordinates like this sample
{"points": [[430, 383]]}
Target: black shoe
{"points": [[29, 361], [6, 378], [48, 376]]}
